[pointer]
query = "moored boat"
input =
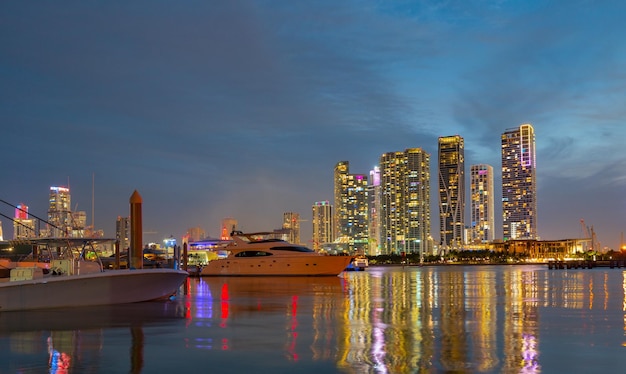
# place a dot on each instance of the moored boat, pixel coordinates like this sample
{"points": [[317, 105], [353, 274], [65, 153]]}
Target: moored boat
{"points": [[359, 263], [73, 280], [247, 255]]}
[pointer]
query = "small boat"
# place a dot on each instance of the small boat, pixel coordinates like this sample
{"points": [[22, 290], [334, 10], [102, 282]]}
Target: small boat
{"points": [[78, 279], [255, 255], [359, 263]]}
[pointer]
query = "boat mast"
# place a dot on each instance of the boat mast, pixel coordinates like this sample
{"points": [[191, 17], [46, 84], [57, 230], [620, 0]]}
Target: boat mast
{"points": [[93, 224]]}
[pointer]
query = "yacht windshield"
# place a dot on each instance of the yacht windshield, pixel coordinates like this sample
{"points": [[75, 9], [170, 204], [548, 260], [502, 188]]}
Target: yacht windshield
{"points": [[252, 254], [295, 248]]}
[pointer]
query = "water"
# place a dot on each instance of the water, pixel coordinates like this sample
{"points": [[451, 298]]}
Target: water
{"points": [[461, 319]]}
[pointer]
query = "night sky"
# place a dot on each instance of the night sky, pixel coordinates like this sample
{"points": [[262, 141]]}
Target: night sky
{"points": [[215, 109]]}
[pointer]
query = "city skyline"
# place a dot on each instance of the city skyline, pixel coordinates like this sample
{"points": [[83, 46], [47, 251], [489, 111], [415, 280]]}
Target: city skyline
{"points": [[241, 109]]}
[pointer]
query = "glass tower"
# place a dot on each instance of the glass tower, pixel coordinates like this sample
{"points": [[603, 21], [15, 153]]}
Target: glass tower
{"points": [[451, 191], [519, 183]]}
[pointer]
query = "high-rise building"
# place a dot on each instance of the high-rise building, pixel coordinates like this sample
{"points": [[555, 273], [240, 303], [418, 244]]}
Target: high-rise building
{"points": [[405, 202], [482, 204], [322, 224], [122, 232], [374, 247], [291, 222], [519, 183], [350, 216], [59, 213], [23, 225], [451, 191], [340, 215]]}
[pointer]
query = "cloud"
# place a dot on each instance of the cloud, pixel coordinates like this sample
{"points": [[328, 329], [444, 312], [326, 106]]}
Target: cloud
{"points": [[235, 106]]}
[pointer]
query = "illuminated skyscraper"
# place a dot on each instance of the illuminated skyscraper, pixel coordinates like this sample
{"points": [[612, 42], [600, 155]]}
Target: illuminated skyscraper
{"points": [[482, 204], [23, 225], [340, 215], [405, 202], [451, 191], [291, 222], [374, 247], [519, 183], [322, 224], [350, 216], [59, 213]]}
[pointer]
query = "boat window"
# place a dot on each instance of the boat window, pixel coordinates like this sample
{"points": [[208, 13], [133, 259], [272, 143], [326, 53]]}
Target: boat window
{"points": [[295, 248], [252, 254]]}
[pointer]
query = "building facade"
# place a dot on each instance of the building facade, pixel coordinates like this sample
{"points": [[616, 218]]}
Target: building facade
{"points": [[322, 224], [519, 183], [481, 204], [405, 202], [451, 161]]}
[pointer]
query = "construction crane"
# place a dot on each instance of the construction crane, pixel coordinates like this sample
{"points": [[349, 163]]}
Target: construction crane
{"points": [[590, 234]]}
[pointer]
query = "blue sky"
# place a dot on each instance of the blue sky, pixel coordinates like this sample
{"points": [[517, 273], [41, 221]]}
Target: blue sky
{"points": [[215, 109]]}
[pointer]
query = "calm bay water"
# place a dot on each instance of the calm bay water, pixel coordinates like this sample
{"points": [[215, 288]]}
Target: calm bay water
{"points": [[464, 319]]}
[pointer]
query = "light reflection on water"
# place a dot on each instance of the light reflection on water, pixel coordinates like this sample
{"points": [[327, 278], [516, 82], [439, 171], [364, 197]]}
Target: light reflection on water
{"points": [[466, 319]]}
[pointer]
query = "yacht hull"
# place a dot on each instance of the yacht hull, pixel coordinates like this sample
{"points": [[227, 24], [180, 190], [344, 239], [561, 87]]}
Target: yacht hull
{"points": [[317, 265]]}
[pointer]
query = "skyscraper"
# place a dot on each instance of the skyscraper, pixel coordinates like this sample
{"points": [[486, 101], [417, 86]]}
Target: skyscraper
{"points": [[519, 183], [350, 216], [291, 222], [451, 191], [340, 214], [405, 202], [322, 224], [482, 204], [374, 247], [59, 213]]}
